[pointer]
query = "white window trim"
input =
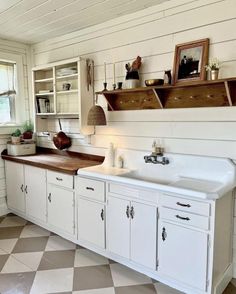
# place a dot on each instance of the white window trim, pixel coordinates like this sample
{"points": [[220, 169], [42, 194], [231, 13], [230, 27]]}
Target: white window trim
{"points": [[20, 111]]}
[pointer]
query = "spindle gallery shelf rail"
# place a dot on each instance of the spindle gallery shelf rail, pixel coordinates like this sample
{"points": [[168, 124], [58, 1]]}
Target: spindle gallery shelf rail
{"points": [[218, 93]]}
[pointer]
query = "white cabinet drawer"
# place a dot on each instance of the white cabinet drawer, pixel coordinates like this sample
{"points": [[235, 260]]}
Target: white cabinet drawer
{"points": [[198, 221], [90, 188], [187, 205], [123, 190], [60, 179]]}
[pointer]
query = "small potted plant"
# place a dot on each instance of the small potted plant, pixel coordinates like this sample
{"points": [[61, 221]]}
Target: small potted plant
{"points": [[16, 137], [213, 67], [28, 128]]}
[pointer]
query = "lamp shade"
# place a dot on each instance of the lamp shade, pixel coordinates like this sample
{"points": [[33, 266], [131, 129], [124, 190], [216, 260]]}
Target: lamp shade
{"points": [[96, 116]]}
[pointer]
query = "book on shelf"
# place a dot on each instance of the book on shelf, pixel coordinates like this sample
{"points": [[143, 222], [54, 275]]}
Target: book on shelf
{"points": [[43, 105]]}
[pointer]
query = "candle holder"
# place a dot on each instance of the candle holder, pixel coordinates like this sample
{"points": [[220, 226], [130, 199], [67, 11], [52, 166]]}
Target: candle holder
{"points": [[105, 86], [114, 86], [119, 85]]}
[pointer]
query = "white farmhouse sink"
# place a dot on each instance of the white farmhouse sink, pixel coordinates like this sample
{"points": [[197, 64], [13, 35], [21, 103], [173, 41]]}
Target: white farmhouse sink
{"points": [[136, 175], [194, 176]]}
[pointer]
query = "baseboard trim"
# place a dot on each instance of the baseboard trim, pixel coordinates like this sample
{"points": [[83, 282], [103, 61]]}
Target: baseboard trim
{"points": [[3, 209], [224, 281]]}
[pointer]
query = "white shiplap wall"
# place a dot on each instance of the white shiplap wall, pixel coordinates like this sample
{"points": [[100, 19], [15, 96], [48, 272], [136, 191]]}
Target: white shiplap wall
{"points": [[153, 34], [23, 51]]}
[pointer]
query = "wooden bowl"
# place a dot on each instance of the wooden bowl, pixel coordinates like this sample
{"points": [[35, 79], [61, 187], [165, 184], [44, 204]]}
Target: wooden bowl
{"points": [[154, 82]]}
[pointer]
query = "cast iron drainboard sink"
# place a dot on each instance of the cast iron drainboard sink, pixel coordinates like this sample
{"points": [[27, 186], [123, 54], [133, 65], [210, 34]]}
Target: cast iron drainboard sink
{"points": [[179, 182], [137, 176]]}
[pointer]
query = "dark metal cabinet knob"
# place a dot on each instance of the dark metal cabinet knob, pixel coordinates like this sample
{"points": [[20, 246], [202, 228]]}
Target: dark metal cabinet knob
{"points": [[132, 212]]}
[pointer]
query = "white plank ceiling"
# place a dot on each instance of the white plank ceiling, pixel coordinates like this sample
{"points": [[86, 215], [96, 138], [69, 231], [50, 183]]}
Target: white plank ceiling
{"points": [[32, 21]]}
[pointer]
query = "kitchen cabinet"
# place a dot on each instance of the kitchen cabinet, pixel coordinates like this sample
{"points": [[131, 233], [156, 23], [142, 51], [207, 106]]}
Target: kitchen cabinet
{"points": [[91, 211], [35, 192], [183, 240], [179, 239], [131, 230], [91, 222], [61, 209], [63, 89], [143, 234], [61, 202], [26, 189], [15, 186], [118, 226], [183, 254]]}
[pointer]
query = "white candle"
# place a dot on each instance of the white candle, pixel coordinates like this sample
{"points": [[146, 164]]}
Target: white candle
{"points": [[105, 71], [114, 73]]}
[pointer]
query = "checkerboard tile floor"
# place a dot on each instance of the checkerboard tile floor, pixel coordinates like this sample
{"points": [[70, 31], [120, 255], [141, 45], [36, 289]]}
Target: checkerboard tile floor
{"points": [[36, 261]]}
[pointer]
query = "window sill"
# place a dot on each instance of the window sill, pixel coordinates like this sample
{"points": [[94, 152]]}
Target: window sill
{"points": [[8, 129]]}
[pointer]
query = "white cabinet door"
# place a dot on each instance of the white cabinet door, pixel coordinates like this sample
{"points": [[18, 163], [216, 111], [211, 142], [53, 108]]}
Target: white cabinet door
{"points": [[91, 224], [182, 254], [118, 226], [61, 208], [35, 192], [143, 234], [15, 186]]}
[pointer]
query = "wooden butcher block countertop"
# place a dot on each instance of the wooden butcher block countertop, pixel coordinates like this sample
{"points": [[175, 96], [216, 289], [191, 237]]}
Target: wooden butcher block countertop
{"points": [[61, 161]]}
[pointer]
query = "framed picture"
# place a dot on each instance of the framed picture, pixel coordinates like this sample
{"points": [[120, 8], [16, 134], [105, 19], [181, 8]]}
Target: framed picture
{"points": [[190, 60]]}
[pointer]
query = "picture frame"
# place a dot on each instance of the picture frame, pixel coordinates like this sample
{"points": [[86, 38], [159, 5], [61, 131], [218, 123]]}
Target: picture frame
{"points": [[190, 61]]}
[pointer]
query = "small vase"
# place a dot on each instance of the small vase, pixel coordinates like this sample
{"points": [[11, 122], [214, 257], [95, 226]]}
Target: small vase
{"points": [[214, 74], [132, 83]]}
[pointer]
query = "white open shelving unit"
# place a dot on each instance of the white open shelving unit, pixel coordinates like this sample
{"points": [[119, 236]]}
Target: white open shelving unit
{"points": [[53, 101]]}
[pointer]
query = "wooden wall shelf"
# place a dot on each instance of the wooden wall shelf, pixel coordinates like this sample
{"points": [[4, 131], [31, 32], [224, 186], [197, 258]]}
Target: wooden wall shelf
{"points": [[195, 94]]}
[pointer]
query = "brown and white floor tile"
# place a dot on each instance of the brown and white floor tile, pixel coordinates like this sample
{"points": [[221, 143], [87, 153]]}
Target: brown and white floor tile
{"points": [[123, 276], [97, 291], [12, 265], [30, 231], [30, 259], [7, 245], [50, 281], [13, 221], [10, 232], [16, 283], [57, 259], [92, 277], [142, 289], [84, 257], [3, 259], [58, 243], [36, 261], [164, 289], [35, 244]]}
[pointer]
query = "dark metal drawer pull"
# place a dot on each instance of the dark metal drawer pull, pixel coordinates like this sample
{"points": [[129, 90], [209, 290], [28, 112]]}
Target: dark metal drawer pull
{"points": [[183, 218], [59, 179], [90, 188], [182, 204], [26, 189], [50, 197], [22, 188]]}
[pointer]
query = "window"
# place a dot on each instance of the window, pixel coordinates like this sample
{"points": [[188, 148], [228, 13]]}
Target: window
{"points": [[7, 91]]}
